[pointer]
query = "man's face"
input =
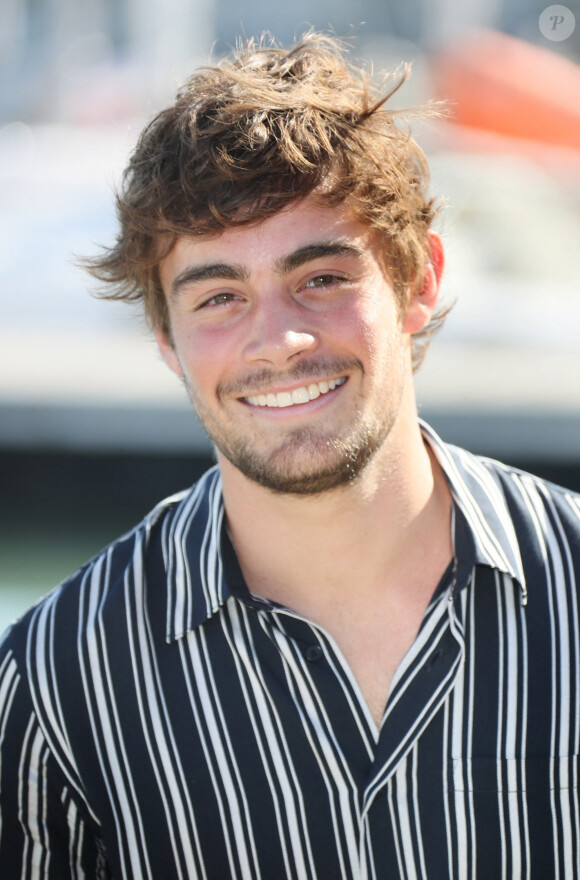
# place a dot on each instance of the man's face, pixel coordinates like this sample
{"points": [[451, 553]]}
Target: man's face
{"points": [[289, 338]]}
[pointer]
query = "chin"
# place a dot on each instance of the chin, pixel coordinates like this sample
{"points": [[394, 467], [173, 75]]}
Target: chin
{"points": [[307, 465]]}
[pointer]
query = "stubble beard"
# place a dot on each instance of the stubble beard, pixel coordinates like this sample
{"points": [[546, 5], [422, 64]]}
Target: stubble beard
{"points": [[306, 461]]}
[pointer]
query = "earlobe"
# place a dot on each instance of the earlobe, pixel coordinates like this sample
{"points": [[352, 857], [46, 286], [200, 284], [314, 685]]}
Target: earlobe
{"points": [[167, 350], [424, 300]]}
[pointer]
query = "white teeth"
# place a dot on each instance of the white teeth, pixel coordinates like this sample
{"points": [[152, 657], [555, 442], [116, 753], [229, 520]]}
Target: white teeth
{"points": [[298, 396]]}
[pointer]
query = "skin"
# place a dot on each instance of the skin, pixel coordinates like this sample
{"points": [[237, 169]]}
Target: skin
{"points": [[339, 490]]}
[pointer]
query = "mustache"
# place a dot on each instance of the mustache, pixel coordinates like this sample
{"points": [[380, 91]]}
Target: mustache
{"points": [[255, 382]]}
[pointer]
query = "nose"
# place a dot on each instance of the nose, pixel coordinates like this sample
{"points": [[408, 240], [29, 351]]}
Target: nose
{"points": [[278, 332]]}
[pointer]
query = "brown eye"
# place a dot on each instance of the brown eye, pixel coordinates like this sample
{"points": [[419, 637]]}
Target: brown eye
{"points": [[219, 299], [324, 280]]}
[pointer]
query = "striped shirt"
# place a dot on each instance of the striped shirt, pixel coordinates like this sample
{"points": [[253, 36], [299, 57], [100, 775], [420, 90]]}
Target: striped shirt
{"points": [[158, 721]]}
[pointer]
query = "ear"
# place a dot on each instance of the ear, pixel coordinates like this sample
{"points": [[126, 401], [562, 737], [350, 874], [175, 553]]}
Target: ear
{"points": [[424, 300], [167, 350]]}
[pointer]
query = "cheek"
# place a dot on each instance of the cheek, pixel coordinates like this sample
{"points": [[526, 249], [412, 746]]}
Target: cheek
{"points": [[379, 331], [353, 323], [193, 355], [206, 357]]}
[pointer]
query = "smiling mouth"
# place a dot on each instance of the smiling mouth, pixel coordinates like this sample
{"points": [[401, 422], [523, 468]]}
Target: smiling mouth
{"points": [[296, 397]]}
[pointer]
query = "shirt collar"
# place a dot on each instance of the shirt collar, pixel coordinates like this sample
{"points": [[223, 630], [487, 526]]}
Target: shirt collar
{"points": [[202, 569], [191, 542], [477, 492]]}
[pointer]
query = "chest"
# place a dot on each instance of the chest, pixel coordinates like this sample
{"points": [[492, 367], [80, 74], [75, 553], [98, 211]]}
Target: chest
{"points": [[372, 640], [373, 648], [258, 747]]}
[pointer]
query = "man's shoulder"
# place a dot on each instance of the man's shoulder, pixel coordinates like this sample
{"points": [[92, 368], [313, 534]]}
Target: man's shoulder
{"points": [[470, 470], [518, 483], [515, 521], [536, 522], [477, 478], [103, 579], [93, 625]]}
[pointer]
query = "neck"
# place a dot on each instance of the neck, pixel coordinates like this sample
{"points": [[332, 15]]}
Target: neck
{"points": [[377, 532]]}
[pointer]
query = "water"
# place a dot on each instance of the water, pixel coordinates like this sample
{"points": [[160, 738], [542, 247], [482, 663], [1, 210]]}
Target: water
{"points": [[34, 561], [14, 601]]}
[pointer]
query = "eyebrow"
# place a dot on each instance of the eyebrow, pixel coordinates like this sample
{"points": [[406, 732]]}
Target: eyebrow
{"points": [[282, 266], [314, 252], [194, 274]]}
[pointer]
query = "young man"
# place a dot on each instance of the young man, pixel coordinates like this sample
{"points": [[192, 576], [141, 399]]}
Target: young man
{"points": [[350, 651]]}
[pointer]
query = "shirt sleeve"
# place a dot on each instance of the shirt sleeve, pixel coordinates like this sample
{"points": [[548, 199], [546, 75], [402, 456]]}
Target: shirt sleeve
{"points": [[44, 829]]}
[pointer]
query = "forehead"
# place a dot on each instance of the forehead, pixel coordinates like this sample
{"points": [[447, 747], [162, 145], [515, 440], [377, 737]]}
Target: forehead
{"points": [[263, 246]]}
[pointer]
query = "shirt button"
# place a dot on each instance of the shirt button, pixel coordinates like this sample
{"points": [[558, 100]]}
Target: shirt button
{"points": [[314, 653]]}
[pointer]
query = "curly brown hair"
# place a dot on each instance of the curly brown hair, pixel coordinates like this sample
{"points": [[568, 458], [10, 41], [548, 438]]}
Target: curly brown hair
{"points": [[259, 131]]}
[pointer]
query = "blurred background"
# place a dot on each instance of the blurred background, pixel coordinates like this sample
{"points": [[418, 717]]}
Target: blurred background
{"points": [[93, 428]]}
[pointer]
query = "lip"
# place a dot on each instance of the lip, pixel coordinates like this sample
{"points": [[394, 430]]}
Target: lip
{"points": [[293, 400]]}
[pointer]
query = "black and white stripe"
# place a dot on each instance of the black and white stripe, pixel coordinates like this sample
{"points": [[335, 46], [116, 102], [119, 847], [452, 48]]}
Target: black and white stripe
{"points": [[158, 721]]}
